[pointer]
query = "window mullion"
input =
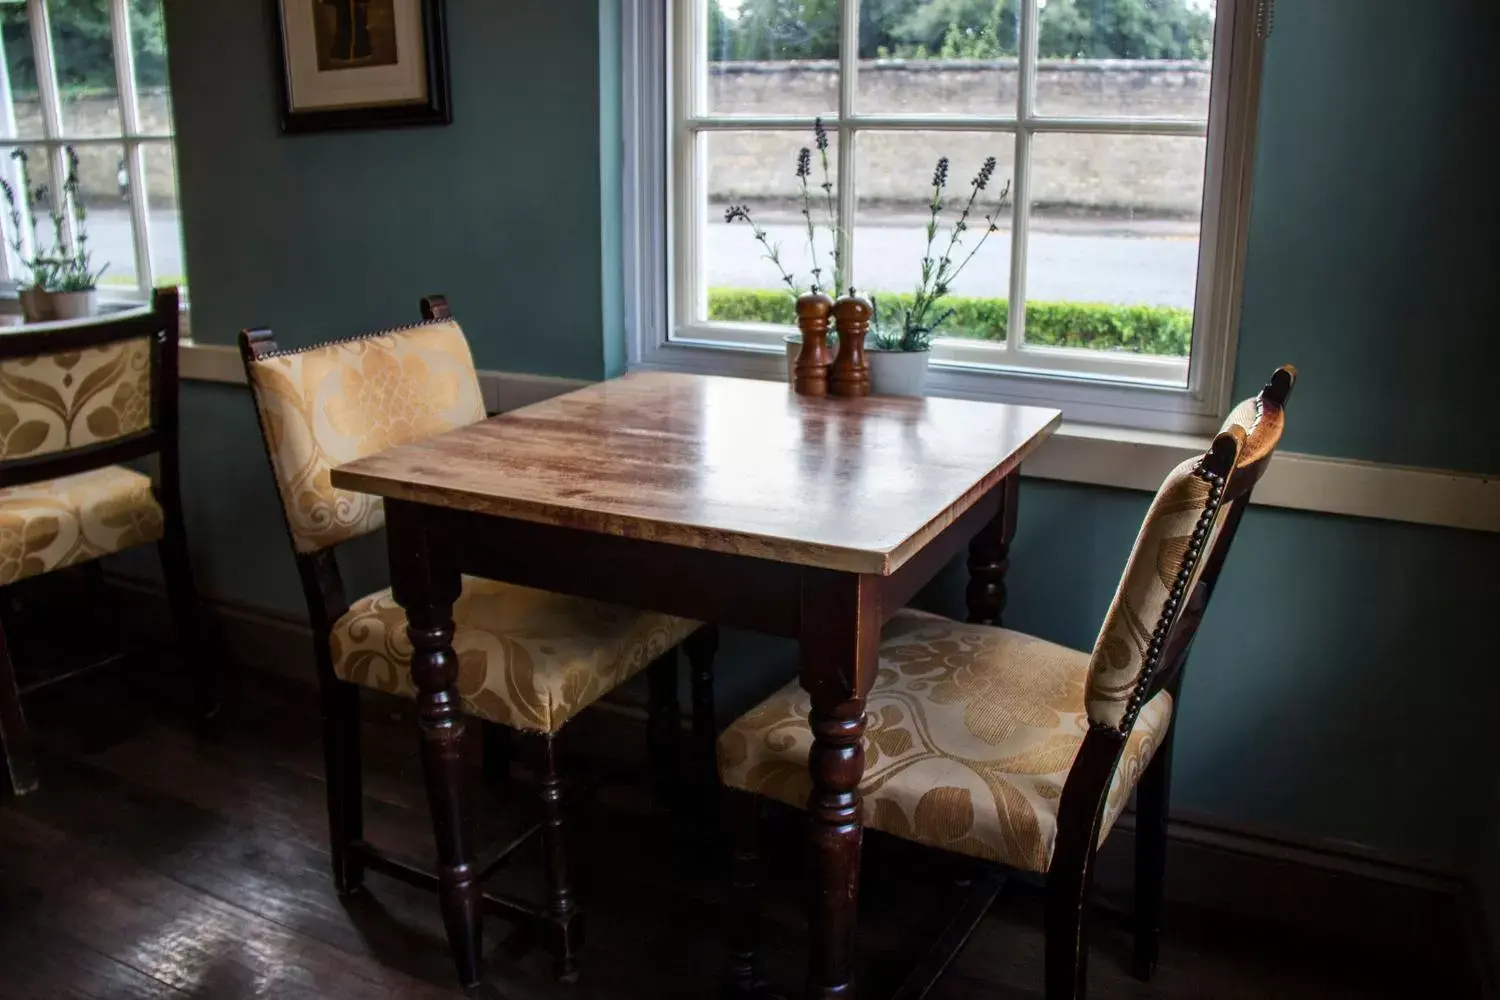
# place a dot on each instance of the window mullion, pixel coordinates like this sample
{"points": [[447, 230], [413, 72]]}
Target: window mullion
{"points": [[9, 130], [135, 160], [848, 82], [1020, 213], [689, 294], [51, 101]]}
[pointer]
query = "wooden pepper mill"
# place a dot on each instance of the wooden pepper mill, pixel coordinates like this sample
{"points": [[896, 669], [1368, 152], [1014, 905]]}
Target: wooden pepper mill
{"points": [[850, 374], [811, 371]]}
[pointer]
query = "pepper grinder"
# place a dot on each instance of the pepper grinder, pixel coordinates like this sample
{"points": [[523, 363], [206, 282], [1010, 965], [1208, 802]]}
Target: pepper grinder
{"points": [[811, 371], [850, 374]]}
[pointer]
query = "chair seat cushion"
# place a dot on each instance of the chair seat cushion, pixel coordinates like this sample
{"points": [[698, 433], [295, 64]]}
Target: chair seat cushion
{"points": [[970, 735], [60, 522], [527, 658]]}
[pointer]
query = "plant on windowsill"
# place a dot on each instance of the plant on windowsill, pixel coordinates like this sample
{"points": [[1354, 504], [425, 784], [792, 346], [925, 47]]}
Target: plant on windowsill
{"points": [[828, 209], [899, 352], [63, 285]]}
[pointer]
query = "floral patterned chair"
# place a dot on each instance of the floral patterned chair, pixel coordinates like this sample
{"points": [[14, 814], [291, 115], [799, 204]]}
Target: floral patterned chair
{"points": [[528, 660], [1011, 749], [77, 399]]}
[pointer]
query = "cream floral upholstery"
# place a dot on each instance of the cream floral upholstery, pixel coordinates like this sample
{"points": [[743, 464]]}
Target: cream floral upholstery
{"points": [[323, 407], [53, 402], [48, 525], [1161, 553], [1244, 415], [971, 733], [526, 658]]}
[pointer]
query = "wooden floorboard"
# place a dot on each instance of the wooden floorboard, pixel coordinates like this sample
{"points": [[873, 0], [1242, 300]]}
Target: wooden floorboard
{"points": [[159, 861]]}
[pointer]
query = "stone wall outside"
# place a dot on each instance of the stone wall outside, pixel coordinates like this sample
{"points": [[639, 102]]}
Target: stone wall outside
{"points": [[98, 165], [1144, 175]]}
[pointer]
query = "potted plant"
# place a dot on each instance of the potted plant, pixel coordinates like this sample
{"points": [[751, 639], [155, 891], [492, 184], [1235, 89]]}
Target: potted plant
{"points": [[829, 211], [63, 285], [900, 351]]}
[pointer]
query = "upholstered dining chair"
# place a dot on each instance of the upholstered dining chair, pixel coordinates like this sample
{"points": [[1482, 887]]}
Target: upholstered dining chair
{"points": [[77, 399], [1011, 749], [527, 660]]}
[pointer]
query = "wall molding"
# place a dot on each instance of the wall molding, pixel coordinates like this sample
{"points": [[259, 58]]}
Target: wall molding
{"points": [[1097, 455]]}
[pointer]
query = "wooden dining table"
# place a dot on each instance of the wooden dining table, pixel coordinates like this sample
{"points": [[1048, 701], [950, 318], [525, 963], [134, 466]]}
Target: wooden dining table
{"points": [[723, 500]]}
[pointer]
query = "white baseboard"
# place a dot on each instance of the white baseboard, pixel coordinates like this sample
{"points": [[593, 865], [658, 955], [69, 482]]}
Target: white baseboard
{"points": [[1110, 456]]}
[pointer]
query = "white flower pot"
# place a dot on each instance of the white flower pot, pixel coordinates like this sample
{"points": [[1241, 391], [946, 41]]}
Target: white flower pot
{"points": [[75, 305], [898, 373]]}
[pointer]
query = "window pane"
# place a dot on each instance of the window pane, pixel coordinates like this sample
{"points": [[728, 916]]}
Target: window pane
{"points": [[758, 170], [772, 58], [166, 222], [34, 173], [83, 48], [148, 39], [105, 190], [895, 174], [937, 57], [1124, 58], [1114, 226], [20, 64]]}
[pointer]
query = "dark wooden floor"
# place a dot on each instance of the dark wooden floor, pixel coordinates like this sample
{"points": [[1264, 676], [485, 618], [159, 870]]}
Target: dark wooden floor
{"points": [[158, 862]]}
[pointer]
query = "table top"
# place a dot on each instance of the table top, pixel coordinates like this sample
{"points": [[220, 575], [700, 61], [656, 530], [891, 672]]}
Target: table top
{"points": [[723, 464]]}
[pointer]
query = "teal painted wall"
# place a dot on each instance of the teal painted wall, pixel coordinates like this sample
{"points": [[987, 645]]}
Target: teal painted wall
{"points": [[324, 235], [1371, 262], [1337, 688]]}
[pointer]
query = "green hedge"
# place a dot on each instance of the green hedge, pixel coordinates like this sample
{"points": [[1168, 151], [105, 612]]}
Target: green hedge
{"points": [[1137, 329]]}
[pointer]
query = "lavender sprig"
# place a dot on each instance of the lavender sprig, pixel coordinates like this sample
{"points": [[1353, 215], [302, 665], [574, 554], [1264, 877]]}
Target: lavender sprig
{"points": [[934, 208], [820, 140], [938, 276], [804, 169], [992, 226], [741, 213]]}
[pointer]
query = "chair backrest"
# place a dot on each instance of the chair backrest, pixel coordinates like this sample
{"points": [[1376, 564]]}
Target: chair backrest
{"points": [[79, 395], [332, 403], [1177, 557]]}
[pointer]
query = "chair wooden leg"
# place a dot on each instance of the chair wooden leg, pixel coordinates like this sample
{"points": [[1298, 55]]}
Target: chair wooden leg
{"points": [[15, 741], [743, 977], [1067, 947], [341, 761], [664, 725], [182, 596], [562, 909], [701, 647], [1152, 797]]}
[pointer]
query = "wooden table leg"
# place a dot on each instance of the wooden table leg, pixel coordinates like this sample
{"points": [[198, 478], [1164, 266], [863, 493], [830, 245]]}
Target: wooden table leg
{"points": [[426, 588], [840, 644], [989, 557]]}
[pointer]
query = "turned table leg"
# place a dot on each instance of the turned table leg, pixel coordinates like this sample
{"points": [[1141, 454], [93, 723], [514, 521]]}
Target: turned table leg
{"points": [[426, 589], [839, 650], [989, 557]]}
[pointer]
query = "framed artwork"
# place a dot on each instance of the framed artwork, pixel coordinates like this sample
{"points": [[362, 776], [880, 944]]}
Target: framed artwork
{"points": [[361, 64]]}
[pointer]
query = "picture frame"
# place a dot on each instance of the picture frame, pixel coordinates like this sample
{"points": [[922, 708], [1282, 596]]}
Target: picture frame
{"points": [[361, 64]]}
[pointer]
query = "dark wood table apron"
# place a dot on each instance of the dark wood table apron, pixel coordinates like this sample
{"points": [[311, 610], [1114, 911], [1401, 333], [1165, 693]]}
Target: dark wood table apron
{"points": [[835, 616]]}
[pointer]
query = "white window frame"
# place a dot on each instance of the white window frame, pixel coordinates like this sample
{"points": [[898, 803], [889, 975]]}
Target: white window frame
{"points": [[132, 140], [662, 108]]}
